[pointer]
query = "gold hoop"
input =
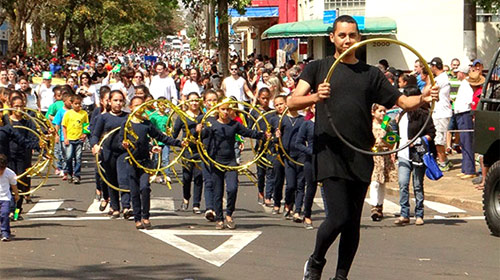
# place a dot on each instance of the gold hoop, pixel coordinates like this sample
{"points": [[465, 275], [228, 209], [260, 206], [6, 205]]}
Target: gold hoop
{"points": [[206, 157], [282, 148], [329, 76]]}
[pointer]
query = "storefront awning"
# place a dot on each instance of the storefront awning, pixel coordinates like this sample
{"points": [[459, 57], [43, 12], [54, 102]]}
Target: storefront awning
{"points": [[256, 12], [316, 27]]}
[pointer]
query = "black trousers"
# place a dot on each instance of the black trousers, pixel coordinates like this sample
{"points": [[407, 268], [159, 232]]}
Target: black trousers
{"points": [[279, 181], [19, 164], [191, 173], [344, 199]]}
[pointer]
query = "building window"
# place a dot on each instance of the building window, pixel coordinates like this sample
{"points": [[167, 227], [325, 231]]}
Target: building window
{"points": [[351, 7]]}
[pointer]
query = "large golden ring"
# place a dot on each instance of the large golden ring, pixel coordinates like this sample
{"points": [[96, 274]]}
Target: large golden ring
{"points": [[204, 153], [329, 76]]}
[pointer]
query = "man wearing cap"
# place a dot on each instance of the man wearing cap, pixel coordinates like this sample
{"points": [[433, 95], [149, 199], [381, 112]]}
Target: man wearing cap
{"points": [[442, 112], [44, 91], [462, 108]]}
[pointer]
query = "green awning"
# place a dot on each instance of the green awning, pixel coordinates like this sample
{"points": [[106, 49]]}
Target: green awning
{"points": [[316, 27]]}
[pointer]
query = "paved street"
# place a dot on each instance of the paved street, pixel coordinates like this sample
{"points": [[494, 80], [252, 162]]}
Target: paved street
{"points": [[64, 236]]}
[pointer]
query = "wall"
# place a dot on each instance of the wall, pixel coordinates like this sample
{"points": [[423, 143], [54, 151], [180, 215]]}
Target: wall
{"points": [[487, 34], [433, 28]]}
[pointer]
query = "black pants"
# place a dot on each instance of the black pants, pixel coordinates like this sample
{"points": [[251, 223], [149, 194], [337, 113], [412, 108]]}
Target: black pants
{"points": [[231, 179], [140, 191], [264, 180], [19, 164], [278, 180], [311, 187], [344, 199], [191, 173], [295, 184]]}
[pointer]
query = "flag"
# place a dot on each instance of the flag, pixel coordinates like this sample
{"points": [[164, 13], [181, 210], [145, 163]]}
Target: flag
{"points": [[391, 138], [85, 128], [385, 122]]}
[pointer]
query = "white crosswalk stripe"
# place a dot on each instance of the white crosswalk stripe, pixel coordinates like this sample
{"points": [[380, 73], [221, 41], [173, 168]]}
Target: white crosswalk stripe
{"points": [[441, 207], [94, 208], [389, 206], [46, 207]]}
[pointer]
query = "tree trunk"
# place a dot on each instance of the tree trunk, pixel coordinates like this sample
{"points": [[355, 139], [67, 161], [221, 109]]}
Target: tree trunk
{"points": [[36, 30], [470, 47], [223, 36], [17, 36]]}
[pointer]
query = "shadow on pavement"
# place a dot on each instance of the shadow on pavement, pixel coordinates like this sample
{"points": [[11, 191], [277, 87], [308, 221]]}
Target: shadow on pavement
{"points": [[107, 271], [36, 225]]}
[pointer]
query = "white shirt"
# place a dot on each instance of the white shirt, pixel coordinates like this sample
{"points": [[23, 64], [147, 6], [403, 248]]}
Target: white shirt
{"points": [[403, 134], [7, 179], [163, 87], [235, 87], [464, 98], [189, 87], [31, 101], [89, 100], [46, 96], [442, 109], [130, 91]]}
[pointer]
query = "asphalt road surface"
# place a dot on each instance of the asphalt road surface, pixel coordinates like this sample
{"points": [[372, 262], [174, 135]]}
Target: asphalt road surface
{"points": [[64, 236]]}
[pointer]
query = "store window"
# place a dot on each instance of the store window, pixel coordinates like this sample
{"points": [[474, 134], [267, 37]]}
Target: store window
{"points": [[350, 7]]}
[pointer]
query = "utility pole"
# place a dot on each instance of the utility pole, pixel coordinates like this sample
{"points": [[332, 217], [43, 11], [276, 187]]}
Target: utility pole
{"points": [[470, 48]]}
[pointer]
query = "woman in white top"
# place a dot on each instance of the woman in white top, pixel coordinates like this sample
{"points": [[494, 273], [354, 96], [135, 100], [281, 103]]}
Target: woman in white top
{"points": [[88, 92], [192, 84], [12, 77], [32, 99]]}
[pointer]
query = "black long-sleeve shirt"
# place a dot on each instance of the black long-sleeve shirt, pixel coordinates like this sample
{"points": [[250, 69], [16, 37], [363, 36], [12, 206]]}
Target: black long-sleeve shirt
{"points": [[289, 130], [223, 136], [18, 149], [261, 124], [11, 137], [179, 125], [105, 123], [305, 138], [144, 131]]}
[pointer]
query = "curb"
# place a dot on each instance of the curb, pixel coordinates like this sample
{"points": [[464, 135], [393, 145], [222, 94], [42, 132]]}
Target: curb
{"points": [[457, 202]]}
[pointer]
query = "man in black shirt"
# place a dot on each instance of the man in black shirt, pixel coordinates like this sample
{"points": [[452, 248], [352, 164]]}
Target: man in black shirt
{"points": [[345, 173], [100, 74]]}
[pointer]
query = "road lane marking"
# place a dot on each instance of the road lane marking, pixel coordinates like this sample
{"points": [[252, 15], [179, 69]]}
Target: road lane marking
{"points": [[162, 204], [94, 208], [441, 207], [46, 207], [389, 206], [217, 256]]}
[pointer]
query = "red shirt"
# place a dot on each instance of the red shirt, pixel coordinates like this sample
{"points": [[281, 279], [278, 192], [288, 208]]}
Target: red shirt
{"points": [[475, 98]]}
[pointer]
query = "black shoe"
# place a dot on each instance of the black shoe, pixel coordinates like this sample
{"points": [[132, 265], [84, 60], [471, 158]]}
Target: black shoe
{"points": [[127, 213], [209, 215], [288, 214], [313, 269], [76, 180], [275, 211], [103, 206], [115, 215]]}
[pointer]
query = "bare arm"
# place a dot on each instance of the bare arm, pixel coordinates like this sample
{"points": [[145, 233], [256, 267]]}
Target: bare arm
{"points": [[248, 92], [301, 98], [409, 103]]}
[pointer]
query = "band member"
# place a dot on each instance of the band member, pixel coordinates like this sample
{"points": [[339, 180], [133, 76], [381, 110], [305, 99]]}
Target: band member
{"points": [[138, 178], [222, 151]]}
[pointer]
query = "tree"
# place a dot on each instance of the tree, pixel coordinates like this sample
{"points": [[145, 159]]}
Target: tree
{"points": [[18, 13], [223, 28]]}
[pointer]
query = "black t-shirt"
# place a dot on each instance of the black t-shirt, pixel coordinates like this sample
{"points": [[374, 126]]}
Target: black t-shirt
{"points": [[354, 88], [97, 75]]}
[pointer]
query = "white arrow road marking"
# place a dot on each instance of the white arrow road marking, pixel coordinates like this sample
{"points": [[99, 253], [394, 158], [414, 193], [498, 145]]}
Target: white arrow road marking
{"points": [[219, 255], [46, 207]]}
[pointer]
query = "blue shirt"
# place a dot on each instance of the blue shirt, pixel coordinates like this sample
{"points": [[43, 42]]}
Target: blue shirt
{"points": [[58, 121]]}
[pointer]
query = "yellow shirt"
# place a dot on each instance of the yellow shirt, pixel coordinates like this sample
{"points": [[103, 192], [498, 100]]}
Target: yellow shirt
{"points": [[73, 121]]}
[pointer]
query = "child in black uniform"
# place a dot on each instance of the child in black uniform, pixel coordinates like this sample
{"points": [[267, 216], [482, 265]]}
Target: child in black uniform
{"points": [[223, 131], [278, 175], [190, 170], [138, 179]]}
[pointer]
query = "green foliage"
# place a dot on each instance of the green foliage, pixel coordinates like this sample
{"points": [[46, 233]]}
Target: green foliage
{"points": [[39, 49], [490, 6]]}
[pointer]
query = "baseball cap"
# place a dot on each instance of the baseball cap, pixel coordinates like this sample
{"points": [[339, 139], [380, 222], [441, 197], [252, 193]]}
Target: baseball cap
{"points": [[436, 62], [462, 68], [477, 61], [47, 75]]}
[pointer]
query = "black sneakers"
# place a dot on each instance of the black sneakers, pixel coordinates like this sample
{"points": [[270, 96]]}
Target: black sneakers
{"points": [[313, 269]]}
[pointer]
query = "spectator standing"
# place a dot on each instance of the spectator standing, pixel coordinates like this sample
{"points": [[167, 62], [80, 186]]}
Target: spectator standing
{"points": [[4, 80], [442, 112], [463, 116], [192, 84], [8, 184], [236, 86], [162, 84], [45, 92]]}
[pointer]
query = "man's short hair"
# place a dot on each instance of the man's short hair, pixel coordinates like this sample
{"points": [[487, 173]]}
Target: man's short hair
{"points": [[344, 18], [160, 64], [437, 62], [3, 161]]}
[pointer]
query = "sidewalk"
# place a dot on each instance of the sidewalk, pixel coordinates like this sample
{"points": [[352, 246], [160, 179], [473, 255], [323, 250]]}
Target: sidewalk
{"points": [[450, 189]]}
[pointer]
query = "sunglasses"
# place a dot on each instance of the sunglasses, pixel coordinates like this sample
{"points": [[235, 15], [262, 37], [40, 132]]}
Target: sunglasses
{"points": [[138, 77], [234, 69]]}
